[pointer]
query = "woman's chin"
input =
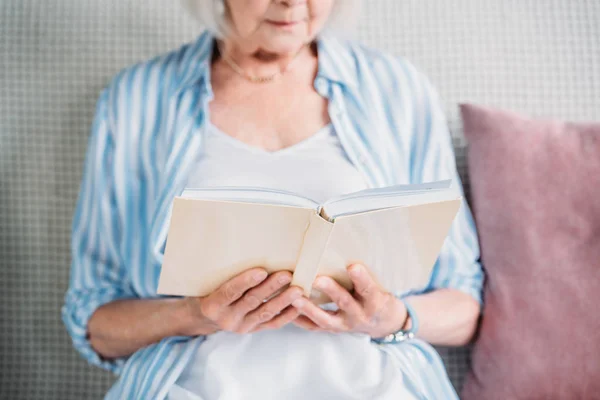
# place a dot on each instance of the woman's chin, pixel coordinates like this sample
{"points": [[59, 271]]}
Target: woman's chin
{"points": [[284, 42], [285, 45]]}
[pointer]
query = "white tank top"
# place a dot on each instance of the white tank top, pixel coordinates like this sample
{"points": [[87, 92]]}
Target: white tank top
{"points": [[289, 363], [316, 167]]}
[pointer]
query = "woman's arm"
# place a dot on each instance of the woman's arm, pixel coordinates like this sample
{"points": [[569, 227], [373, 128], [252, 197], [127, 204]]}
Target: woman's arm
{"points": [[120, 328], [448, 308], [102, 314], [98, 273], [447, 317]]}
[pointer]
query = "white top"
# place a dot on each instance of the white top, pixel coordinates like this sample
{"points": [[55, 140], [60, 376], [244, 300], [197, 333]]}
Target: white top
{"points": [[289, 363], [316, 167]]}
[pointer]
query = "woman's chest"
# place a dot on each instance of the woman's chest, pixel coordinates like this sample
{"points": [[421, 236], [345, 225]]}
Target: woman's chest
{"points": [[317, 167], [271, 121]]}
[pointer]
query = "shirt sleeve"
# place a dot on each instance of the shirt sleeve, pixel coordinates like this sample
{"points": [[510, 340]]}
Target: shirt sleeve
{"points": [[97, 269], [432, 159]]}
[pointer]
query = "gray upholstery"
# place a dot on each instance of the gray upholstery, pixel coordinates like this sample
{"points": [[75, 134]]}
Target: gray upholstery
{"points": [[540, 57]]}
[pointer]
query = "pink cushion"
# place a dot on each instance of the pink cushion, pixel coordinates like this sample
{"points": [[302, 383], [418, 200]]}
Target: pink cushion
{"points": [[536, 197]]}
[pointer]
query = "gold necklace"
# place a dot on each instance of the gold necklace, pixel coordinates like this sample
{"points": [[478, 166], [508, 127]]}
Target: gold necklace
{"points": [[256, 79]]}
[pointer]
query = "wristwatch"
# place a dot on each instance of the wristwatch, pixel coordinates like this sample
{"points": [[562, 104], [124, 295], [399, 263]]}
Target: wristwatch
{"points": [[403, 334]]}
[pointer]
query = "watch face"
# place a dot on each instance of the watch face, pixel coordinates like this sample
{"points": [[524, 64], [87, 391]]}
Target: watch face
{"points": [[397, 337], [402, 336]]}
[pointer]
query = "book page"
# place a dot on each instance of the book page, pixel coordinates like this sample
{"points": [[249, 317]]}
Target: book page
{"points": [[378, 200], [250, 195], [210, 242], [399, 245], [314, 244]]}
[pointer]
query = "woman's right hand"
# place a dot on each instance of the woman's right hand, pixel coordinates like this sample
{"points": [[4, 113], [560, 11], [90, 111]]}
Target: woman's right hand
{"points": [[239, 304]]}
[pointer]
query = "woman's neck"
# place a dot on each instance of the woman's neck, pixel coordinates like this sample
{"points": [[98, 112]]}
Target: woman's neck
{"points": [[259, 62]]}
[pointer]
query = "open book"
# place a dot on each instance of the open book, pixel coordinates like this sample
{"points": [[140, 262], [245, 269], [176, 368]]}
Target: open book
{"points": [[396, 231]]}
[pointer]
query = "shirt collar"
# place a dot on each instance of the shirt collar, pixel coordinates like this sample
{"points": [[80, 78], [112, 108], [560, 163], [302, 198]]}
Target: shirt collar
{"points": [[335, 62], [195, 63]]}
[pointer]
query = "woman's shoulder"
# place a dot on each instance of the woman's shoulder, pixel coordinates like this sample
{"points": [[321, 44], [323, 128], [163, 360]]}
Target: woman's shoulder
{"points": [[374, 69], [367, 59], [165, 72]]}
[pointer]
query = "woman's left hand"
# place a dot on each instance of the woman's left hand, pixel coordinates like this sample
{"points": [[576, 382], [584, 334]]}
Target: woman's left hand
{"points": [[368, 309]]}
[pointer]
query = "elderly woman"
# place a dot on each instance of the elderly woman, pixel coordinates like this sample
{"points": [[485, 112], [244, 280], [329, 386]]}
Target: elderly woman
{"points": [[264, 98]]}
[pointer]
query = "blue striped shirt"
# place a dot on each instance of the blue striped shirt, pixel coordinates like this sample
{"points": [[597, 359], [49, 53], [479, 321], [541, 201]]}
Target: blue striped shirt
{"points": [[147, 133]]}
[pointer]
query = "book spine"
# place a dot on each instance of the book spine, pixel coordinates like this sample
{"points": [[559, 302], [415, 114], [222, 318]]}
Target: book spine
{"points": [[312, 250]]}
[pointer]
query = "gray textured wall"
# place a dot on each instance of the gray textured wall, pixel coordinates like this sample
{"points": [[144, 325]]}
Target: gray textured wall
{"points": [[541, 57]]}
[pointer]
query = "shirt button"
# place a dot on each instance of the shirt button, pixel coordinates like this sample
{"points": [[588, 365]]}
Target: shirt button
{"points": [[321, 86]]}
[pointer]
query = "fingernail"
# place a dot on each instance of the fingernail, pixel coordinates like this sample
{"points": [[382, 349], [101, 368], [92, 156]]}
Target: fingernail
{"points": [[265, 316], [252, 301], [321, 283], [284, 279], [296, 294], [298, 303], [356, 270], [260, 276]]}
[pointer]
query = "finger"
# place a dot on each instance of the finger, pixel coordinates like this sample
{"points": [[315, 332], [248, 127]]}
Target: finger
{"points": [[364, 285], [325, 320], [285, 317], [340, 296], [256, 296], [234, 288], [271, 308], [305, 323]]}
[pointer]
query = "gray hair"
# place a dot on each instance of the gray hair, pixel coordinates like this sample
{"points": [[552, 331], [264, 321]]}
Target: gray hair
{"points": [[211, 14]]}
